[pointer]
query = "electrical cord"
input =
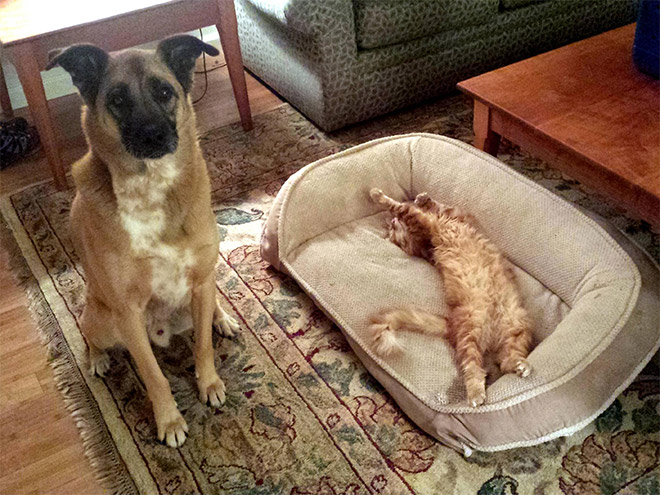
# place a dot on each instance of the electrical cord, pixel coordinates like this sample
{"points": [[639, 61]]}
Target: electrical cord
{"points": [[211, 70], [205, 71]]}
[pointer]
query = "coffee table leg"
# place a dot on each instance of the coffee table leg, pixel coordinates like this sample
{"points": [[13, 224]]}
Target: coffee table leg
{"points": [[484, 137], [30, 77], [228, 30]]}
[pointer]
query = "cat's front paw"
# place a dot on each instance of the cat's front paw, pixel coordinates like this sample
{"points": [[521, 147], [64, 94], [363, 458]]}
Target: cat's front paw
{"points": [[377, 195], [422, 199]]}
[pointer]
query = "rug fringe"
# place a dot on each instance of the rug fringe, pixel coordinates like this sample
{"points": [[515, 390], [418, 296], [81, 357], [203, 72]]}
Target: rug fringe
{"points": [[100, 450]]}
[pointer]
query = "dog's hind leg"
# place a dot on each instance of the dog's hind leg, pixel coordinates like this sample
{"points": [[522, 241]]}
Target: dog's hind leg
{"points": [[99, 360], [97, 327], [224, 324]]}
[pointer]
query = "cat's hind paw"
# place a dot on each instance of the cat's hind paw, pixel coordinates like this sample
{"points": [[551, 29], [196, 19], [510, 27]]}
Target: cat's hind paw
{"points": [[523, 368], [476, 395]]}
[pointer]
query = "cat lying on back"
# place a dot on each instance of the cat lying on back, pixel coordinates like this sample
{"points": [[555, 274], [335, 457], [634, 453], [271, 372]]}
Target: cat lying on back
{"points": [[485, 309]]}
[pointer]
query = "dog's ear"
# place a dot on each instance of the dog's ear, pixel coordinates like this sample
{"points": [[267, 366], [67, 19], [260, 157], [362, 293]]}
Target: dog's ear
{"points": [[85, 63], [179, 54]]}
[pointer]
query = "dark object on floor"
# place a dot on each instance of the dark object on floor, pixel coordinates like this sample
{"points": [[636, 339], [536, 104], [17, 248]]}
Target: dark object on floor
{"points": [[646, 49], [17, 140]]}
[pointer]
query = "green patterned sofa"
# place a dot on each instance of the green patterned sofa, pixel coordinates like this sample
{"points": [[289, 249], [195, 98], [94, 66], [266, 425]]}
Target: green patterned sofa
{"points": [[343, 61]]}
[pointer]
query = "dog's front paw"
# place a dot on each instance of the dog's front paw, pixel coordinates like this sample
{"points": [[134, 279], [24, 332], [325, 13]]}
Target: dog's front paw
{"points": [[99, 363], [211, 391], [377, 195], [225, 325], [172, 428]]}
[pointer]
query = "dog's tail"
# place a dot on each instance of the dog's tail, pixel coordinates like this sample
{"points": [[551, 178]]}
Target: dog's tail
{"points": [[383, 328]]}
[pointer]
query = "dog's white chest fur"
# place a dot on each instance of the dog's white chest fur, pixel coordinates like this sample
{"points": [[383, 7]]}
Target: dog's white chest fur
{"points": [[141, 201]]}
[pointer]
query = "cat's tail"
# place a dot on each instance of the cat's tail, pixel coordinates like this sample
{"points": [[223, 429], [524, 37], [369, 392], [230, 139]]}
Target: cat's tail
{"points": [[384, 326]]}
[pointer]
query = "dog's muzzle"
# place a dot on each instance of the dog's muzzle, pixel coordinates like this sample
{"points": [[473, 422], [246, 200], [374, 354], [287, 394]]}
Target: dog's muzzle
{"points": [[150, 140]]}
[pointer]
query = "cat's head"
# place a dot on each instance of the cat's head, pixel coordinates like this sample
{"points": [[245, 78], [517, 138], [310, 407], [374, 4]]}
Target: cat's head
{"points": [[410, 242]]}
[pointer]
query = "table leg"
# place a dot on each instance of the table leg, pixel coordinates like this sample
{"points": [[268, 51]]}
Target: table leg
{"points": [[484, 137], [5, 103], [28, 72], [228, 30]]}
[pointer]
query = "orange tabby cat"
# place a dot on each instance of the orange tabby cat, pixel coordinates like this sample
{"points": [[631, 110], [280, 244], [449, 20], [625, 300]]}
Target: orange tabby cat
{"points": [[485, 310]]}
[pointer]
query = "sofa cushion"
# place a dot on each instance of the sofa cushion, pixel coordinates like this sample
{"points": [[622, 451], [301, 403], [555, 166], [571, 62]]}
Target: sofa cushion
{"points": [[593, 295], [386, 22], [514, 4]]}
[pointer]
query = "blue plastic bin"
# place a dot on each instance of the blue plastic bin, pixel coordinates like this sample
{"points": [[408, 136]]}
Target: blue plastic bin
{"points": [[646, 48]]}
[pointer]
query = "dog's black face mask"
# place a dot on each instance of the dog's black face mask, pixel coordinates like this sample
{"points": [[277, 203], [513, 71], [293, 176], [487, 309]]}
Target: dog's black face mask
{"points": [[145, 113]]}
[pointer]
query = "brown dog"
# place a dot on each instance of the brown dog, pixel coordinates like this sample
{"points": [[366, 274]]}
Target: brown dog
{"points": [[141, 220]]}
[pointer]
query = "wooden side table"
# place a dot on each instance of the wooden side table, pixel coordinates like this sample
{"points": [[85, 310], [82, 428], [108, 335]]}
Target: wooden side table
{"points": [[29, 29]]}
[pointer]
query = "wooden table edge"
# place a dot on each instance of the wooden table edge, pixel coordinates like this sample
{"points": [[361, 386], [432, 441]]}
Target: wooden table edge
{"points": [[112, 18], [491, 122]]}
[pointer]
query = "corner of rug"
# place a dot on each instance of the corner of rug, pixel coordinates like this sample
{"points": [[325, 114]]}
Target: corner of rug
{"points": [[100, 450]]}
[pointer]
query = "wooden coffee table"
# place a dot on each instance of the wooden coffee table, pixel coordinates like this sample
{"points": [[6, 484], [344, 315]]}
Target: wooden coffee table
{"points": [[583, 108]]}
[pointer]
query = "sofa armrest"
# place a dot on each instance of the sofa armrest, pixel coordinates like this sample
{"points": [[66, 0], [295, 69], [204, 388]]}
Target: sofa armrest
{"points": [[275, 9], [328, 21]]}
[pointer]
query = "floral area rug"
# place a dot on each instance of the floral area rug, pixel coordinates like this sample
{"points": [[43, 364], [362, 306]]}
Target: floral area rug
{"points": [[303, 416]]}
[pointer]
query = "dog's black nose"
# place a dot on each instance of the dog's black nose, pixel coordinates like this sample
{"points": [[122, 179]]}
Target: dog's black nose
{"points": [[153, 135], [150, 140]]}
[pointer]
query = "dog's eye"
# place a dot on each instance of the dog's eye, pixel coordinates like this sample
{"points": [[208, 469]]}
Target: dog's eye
{"points": [[116, 100], [164, 94]]}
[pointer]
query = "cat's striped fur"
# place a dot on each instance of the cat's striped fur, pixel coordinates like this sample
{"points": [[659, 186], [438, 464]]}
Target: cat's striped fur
{"points": [[485, 308]]}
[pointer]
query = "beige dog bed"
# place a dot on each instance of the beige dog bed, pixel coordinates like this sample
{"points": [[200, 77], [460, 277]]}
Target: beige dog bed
{"points": [[594, 296]]}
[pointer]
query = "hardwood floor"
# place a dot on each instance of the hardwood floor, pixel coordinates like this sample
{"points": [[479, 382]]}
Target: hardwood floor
{"points": [[41, 451]]}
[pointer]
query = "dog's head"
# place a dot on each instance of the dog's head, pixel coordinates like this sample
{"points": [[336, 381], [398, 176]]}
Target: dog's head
{"points": [[135, 99]]}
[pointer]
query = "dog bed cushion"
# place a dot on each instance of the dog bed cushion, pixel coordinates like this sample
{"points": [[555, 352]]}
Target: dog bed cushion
{"points": [[593, 295]]}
